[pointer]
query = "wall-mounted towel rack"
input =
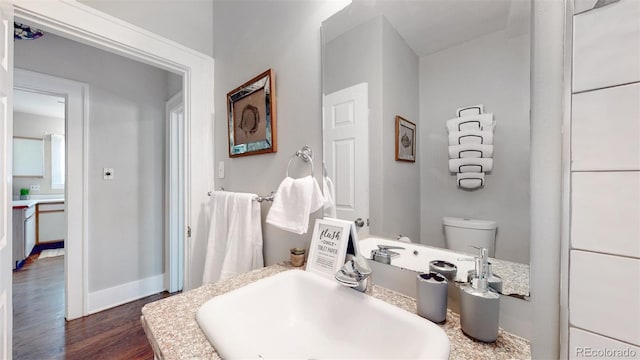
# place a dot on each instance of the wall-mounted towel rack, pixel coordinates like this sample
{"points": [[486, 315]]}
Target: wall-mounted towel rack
{"points": [[306, 154], [258, 198]]}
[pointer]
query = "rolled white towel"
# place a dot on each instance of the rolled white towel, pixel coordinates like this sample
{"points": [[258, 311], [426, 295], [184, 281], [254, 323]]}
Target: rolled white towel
{"points": [[470, 110], [470, 150], [470, 137], [470, 180], [470, 122], [489, 127], [466, 165]]}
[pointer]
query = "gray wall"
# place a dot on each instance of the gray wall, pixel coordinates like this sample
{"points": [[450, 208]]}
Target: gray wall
{"points": [[32, 125], [126, 132], [188, 22], [349, 59], [401, 180], [284, 36], [373, 52], [499, 79]]}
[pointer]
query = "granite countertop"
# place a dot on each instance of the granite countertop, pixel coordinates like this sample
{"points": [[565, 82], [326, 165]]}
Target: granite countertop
{"points": [[515, 277], [173, 332]]}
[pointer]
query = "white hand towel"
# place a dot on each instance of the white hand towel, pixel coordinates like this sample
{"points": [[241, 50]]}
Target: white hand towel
{"points": [[470, 122], [217, 241], [329, 191], [470, 180], [465, 165], [244, 238], [235, 236], [470, 150], [293, 202], [470, 137]]}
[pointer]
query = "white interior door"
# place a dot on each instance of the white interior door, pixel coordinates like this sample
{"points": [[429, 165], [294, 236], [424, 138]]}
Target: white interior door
{"points": [[346, 151], [6, 130], [175, 194]]}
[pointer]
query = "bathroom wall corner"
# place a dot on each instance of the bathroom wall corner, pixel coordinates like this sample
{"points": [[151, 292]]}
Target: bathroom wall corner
{"points": [[546, 175]]}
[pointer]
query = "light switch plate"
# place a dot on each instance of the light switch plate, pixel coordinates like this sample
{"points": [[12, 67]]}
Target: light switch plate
{"points": [[221, 170], [107, 173]]}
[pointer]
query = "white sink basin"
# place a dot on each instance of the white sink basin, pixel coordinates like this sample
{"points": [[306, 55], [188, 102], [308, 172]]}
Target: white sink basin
{"points": [[297, 314]]}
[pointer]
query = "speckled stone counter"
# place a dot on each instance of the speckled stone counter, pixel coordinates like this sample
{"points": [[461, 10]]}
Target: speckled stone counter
{"points": [[173, 332], [515, 277]]}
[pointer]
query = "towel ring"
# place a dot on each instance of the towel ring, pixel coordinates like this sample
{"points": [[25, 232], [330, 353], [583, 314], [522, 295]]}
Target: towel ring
{"points": [[306, 154]]}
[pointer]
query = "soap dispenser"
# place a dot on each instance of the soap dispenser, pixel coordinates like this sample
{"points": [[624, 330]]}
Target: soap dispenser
{"points": [[480, 304]]}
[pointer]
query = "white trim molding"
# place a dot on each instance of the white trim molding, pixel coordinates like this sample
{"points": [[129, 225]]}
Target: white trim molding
{"points": [[122, 294]]}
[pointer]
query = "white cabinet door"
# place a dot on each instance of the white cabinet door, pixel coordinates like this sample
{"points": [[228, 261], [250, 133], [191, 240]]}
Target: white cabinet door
{"points": [[51, 222], [29, 235]]}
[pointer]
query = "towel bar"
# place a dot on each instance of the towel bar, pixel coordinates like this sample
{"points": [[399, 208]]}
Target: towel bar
{"points": [[258, 198]]}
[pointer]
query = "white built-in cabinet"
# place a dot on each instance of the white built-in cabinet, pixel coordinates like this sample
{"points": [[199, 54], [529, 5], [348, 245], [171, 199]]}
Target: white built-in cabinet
{"points": [[24, 233], [604, 258], [50, 218]]}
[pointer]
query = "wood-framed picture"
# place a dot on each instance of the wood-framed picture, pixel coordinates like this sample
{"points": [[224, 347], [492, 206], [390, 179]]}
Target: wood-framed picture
{"points": [[405, 140], [251, 114]]}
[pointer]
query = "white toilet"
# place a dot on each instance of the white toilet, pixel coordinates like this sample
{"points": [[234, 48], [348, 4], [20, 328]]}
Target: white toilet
{"points": [[460, 234]]}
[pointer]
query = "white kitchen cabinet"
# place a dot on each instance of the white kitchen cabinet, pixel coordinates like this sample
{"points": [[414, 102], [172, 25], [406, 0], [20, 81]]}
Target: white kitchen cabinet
{"points": [[51, 222], [24, 232]]}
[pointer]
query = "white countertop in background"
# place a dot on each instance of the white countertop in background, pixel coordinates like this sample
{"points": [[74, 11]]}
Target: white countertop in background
{"points": [[32, 202]]}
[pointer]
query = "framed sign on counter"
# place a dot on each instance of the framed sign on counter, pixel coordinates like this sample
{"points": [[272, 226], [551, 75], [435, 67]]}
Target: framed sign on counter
{"points": [[328, 248]]}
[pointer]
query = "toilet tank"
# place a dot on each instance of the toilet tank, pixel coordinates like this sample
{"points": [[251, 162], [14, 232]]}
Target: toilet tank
{"points": [[460, 234]]}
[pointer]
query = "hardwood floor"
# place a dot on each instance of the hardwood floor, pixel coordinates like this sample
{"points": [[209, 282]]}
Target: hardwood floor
{"points": [[41, 332]]}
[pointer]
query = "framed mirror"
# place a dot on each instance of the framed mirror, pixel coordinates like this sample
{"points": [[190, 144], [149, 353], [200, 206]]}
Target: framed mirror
{"points": [[422, 61]]}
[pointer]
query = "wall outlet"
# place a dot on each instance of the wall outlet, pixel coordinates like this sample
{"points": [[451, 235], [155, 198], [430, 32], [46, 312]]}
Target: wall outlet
{"points": [[34, 187], [107, 173], [221, 170]]}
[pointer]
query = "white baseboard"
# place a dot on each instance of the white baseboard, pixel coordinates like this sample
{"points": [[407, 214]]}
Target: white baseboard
{"points": [[121, 294]]}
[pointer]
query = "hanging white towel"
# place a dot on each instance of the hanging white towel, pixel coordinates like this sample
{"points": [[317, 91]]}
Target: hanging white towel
{"points": [[235, 236], [470, 180], [471, 137], [470, 122], [329, 191], [470, 150], [470, 165], [217, 241], [293, 202]]}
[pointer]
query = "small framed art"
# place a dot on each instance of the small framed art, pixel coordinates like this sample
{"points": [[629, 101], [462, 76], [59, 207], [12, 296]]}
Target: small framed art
{"points": [[251, 114], [405, 140]]}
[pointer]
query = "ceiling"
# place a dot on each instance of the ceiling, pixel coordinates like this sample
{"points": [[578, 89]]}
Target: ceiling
{"points": [[429, 26], [39, 104]]}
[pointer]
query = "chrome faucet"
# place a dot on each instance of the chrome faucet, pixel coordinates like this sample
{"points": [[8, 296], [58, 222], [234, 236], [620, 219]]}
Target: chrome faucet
{"points": [[354, 273], [383, 255]]}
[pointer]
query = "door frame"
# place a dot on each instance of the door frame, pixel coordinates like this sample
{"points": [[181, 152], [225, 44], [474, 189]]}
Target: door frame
{"points": [[174, 200], [76, 95], [89, 26]]}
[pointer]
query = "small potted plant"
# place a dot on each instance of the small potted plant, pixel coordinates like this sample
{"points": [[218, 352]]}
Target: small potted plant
{"points": [[297, 256], [24, 194]]}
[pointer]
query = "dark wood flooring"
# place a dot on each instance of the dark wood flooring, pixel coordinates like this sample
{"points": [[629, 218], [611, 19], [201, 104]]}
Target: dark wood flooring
{"points": [[40, 330]]}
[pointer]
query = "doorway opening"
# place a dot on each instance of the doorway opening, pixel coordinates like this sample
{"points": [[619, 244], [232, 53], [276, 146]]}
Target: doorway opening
{"points": [[38, 175], [115, 197]]}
